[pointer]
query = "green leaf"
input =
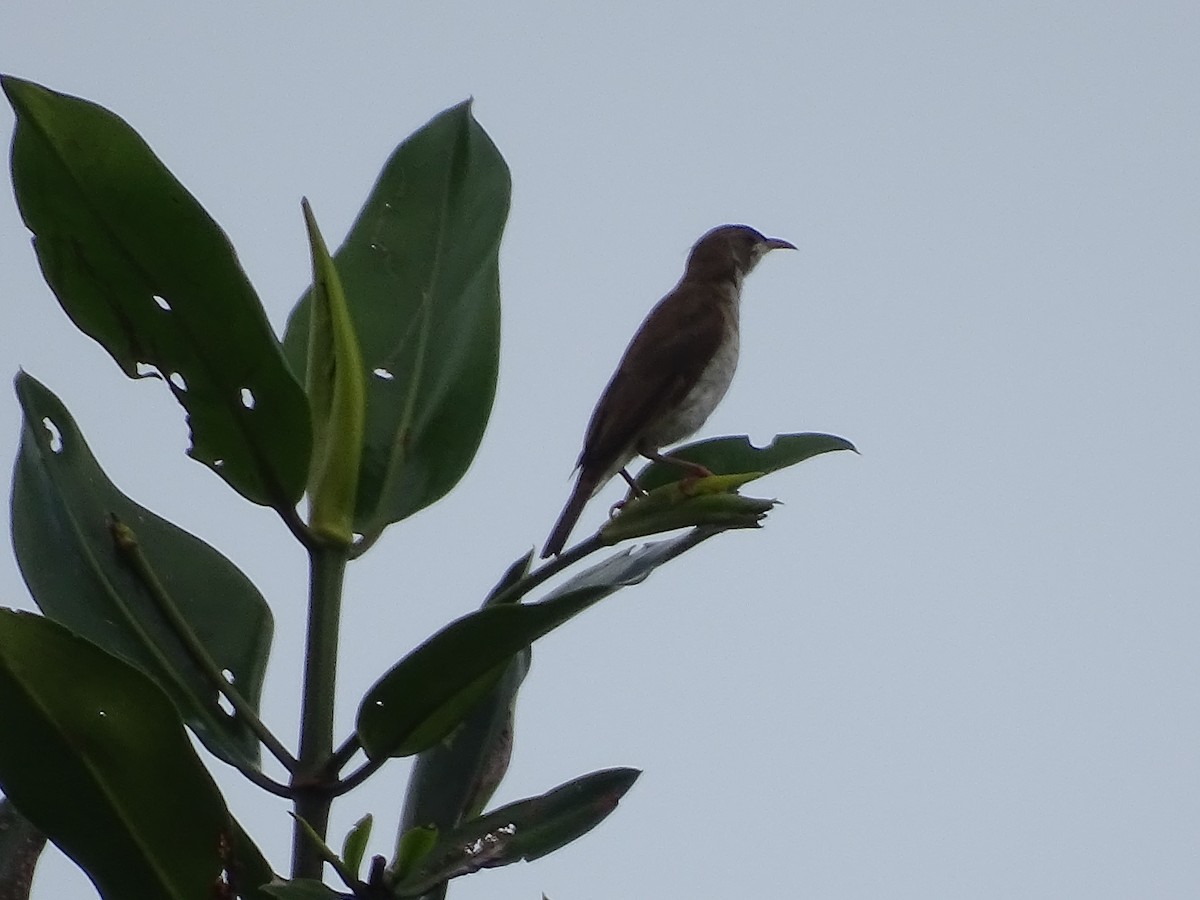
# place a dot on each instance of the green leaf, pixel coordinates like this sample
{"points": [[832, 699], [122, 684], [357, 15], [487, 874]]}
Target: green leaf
{"points": [[62, 506], [139, 265], [20, 846], [733, 455], [412, 846], [456, 777], [355, 845], [336, 391], [420, 273], [425, 695], [511, 576], [103, 766], [711, 501], [525, 830]]}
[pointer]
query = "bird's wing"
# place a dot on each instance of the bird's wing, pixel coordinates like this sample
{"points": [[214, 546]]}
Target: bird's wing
{"points": [[652, 378]]}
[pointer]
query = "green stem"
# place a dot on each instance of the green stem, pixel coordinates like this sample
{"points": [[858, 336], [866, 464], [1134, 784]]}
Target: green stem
{"points": [[523, 586], [126, 542], [313, 781]]}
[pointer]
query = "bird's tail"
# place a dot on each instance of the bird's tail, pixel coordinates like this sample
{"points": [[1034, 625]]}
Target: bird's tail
{"points": [[584, 488]]}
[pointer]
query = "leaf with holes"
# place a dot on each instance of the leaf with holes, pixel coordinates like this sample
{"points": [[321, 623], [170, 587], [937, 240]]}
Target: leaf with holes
{"points": [[420, 274], [62, 504], [103, 766], [526, 830], [139, 265], [736, 455]]}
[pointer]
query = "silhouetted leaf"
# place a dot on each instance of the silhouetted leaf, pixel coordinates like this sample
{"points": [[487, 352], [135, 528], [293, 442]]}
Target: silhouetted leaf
{"points": [[20, 846], [301, 889]]}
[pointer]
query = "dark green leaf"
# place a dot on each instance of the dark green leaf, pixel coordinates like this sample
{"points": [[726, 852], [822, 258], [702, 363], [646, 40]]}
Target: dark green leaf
{"points": [[525, 830], [246, 868], [301, 889], [20, 846], [61, 507], [733, 455], [511, 576], [139, 265], [425, 695], [95, 756], [420, 274], [456, 777]]}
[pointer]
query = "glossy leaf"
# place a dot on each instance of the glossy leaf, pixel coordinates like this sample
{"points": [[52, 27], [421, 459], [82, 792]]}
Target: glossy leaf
{"points": [[419, 269], [734, 455], [336, 392], [103, 766], [425, 695], [20, 846], [62, 506], [525, 830], [455, 778], [139, 265]]}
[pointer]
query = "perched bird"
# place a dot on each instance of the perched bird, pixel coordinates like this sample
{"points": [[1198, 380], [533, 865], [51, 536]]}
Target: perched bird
{"points": [[674, 372]]}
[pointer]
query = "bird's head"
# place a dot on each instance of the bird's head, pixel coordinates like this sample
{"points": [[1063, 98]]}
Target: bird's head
{"points": [[731, 251]]}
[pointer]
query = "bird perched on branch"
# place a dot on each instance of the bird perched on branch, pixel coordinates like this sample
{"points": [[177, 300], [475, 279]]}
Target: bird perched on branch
{"points": [[674, 372]]}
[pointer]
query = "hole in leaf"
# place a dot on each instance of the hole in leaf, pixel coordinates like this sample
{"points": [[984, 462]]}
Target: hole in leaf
{"points": [[247, 398], [218, 463], [147, 370], [162, 302], [228, 675], [225, 706], [178, 381], [383, 373], [56, 441]]}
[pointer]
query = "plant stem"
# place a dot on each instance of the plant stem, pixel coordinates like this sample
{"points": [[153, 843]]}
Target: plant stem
{"points": [[127, 545], [313, 781]]}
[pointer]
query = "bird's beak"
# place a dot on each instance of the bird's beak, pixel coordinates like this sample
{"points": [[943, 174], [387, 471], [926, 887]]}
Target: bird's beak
{"points": [[779, 244]]}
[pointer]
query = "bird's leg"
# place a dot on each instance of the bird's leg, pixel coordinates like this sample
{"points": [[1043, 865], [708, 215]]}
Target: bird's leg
{"points": [[695, 470], [634, 491]]}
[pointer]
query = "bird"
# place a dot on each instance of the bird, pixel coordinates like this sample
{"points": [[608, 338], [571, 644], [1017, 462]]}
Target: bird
{"points": [[675, 371]]}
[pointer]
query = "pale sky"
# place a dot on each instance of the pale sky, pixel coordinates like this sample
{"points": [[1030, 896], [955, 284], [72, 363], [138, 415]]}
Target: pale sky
{"points": [[962, 664]]}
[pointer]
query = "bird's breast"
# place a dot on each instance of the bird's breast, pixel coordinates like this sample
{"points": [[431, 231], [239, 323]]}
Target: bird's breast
{"points": [[698, 404]]}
